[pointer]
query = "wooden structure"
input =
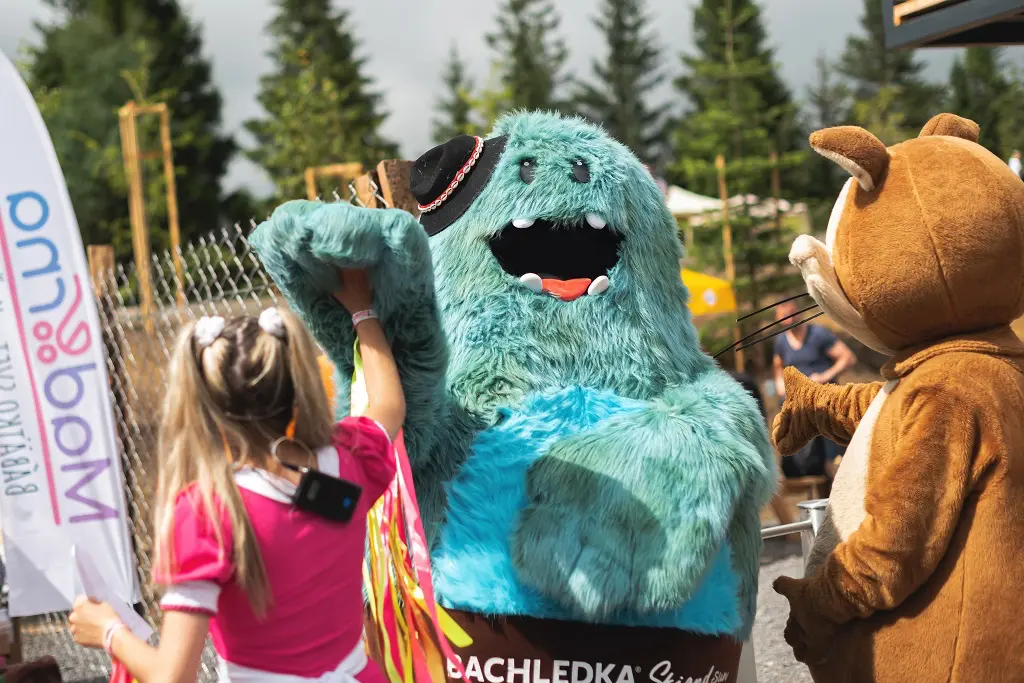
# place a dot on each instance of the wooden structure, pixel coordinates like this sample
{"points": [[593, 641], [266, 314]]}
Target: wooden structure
{"points": [[730, 266], [133, 158], [952, 23], [343, 172]]}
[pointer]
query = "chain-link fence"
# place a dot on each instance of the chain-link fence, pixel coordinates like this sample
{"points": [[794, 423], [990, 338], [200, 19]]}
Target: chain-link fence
{"points": [[216, 275]]}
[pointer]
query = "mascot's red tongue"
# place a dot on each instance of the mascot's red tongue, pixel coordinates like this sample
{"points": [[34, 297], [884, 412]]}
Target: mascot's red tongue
{"points": [[566, 290]]}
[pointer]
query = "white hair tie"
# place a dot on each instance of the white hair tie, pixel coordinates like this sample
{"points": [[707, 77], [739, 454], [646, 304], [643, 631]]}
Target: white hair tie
{"points": [[271, 322], [207, 329]]}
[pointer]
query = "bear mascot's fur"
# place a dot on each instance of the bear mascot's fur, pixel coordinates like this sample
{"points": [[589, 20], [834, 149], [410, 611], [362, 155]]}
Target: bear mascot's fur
{"points": [[916, 571]]}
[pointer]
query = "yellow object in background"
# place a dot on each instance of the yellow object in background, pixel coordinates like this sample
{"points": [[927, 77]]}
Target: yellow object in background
{"points": [[327, 376], [708, 295]]}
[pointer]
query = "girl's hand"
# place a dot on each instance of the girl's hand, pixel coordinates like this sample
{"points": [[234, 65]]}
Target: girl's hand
{"points": [[355, 294], [89, 620]]}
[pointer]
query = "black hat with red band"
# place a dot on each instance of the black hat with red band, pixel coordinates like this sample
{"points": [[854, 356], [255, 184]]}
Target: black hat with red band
{"points": [[446, 179]]}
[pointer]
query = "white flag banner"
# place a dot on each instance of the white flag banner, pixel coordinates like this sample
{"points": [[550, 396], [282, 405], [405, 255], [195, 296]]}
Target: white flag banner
{"points": [[60, 472]]}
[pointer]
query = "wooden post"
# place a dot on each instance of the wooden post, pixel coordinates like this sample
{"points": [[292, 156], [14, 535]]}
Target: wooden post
{"points": [[311, 183], [15, 655], [347, 171], [140, 233], [730, 266], [777, 197], [393, 177], [101, 262], [688, 236], [172, 200], [365, 193]]}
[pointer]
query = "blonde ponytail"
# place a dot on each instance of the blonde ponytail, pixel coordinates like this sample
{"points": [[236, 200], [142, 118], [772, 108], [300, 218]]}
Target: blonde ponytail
{"points": [[227, 400]]}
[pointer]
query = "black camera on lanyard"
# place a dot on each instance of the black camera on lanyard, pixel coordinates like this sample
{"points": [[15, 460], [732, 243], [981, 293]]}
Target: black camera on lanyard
{"points": [[321, 494]]}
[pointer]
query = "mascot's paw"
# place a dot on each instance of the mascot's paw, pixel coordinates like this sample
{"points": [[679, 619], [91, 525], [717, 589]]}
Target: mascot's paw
{"points": [[807, 632], [793, 428], [590, 544], [560, 551], [312, 240]]}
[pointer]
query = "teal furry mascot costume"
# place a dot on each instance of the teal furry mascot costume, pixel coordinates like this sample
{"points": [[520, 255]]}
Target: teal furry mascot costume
{"points": [[576, 456]]}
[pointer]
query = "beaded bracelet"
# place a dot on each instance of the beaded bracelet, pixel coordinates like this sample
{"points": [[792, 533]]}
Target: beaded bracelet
{"points": [[363, 315], [108, 635]]}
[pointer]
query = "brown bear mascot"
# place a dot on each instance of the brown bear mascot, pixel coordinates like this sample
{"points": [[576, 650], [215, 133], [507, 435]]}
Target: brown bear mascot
{"points": [[917, 571]]}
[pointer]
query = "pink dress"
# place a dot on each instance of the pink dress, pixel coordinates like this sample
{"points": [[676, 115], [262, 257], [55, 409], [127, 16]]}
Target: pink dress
{"points": [[314, 626]]}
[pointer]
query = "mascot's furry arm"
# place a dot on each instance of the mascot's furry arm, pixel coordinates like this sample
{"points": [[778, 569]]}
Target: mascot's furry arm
{"points": [[600, 535], [935, 464], [811, 409], [304, 243]]}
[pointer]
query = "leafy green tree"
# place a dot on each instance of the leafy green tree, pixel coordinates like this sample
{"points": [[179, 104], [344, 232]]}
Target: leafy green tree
{"points": [[978, 87], [81, 115], [725, 82], [319, 104], [530, 57], [455, 109], [749, 44], [887, 81], [827, 105], [180, 76], [624, 79], [1010, 128]]}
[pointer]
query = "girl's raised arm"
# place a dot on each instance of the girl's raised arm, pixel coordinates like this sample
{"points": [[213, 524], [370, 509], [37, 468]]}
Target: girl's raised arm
{"points": [[385, 400]]}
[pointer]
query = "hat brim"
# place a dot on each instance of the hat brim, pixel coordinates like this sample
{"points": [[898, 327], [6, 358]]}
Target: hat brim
{"points": [[468, 190]]}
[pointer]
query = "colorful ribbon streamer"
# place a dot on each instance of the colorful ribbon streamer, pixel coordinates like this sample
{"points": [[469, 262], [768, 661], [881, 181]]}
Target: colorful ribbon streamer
{"points": [[414, 632]]}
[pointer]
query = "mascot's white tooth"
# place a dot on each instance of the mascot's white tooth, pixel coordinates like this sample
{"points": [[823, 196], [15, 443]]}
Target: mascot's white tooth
{"points": [[532, 280], [598, 286], [595, 221], [523, 222]]}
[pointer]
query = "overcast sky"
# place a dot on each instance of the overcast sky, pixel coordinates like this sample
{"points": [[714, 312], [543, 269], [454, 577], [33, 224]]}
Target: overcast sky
{"points": [[406, 43]]}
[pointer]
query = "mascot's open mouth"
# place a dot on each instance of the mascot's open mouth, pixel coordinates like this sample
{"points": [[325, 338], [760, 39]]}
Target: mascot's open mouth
{"points": [[566, 260]]}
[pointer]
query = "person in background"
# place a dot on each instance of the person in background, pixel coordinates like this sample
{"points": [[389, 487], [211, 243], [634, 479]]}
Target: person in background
{"points": [[1015, 162], [279, 588], [818, 354]]}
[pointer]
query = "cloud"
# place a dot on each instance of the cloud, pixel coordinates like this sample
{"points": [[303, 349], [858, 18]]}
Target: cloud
{"points": [[406, 44]]}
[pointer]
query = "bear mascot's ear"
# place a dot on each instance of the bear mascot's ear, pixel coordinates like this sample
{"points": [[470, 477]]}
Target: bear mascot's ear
{"points": [[952, 125], [859, 152]]}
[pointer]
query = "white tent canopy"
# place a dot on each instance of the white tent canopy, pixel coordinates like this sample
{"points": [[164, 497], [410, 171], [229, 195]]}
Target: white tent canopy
{"points": [[682, 202]]}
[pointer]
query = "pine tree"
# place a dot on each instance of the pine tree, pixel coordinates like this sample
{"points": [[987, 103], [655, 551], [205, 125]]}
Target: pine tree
{"points": [[710, 42], [827, 105], [618, 99], [101, 38], [530, 58], [319, 104], [1010, 128], [889, 94], [455, 110], [978, 86], [725, 82]]}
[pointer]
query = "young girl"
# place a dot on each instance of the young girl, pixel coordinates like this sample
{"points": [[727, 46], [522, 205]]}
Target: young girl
{"points": [[278, 588]]}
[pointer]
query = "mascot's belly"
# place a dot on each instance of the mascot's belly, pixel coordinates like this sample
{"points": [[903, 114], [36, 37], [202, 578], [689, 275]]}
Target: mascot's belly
{"points": [[473, 568]]}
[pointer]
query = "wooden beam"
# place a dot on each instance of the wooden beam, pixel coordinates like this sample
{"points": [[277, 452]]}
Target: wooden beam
{"points": [[140, 232], [101, 264], [348, 171], [730, 266], [172, 202], [393, 176], [911, 7], [366, 185]]}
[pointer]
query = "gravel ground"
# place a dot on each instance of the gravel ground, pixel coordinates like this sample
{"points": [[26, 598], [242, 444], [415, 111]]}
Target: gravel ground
{"points": [[774, 658], [775, 663]]}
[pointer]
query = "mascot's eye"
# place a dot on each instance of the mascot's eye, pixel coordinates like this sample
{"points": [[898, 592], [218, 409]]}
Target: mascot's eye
{"points": [[580, 171], [526, 167]]}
